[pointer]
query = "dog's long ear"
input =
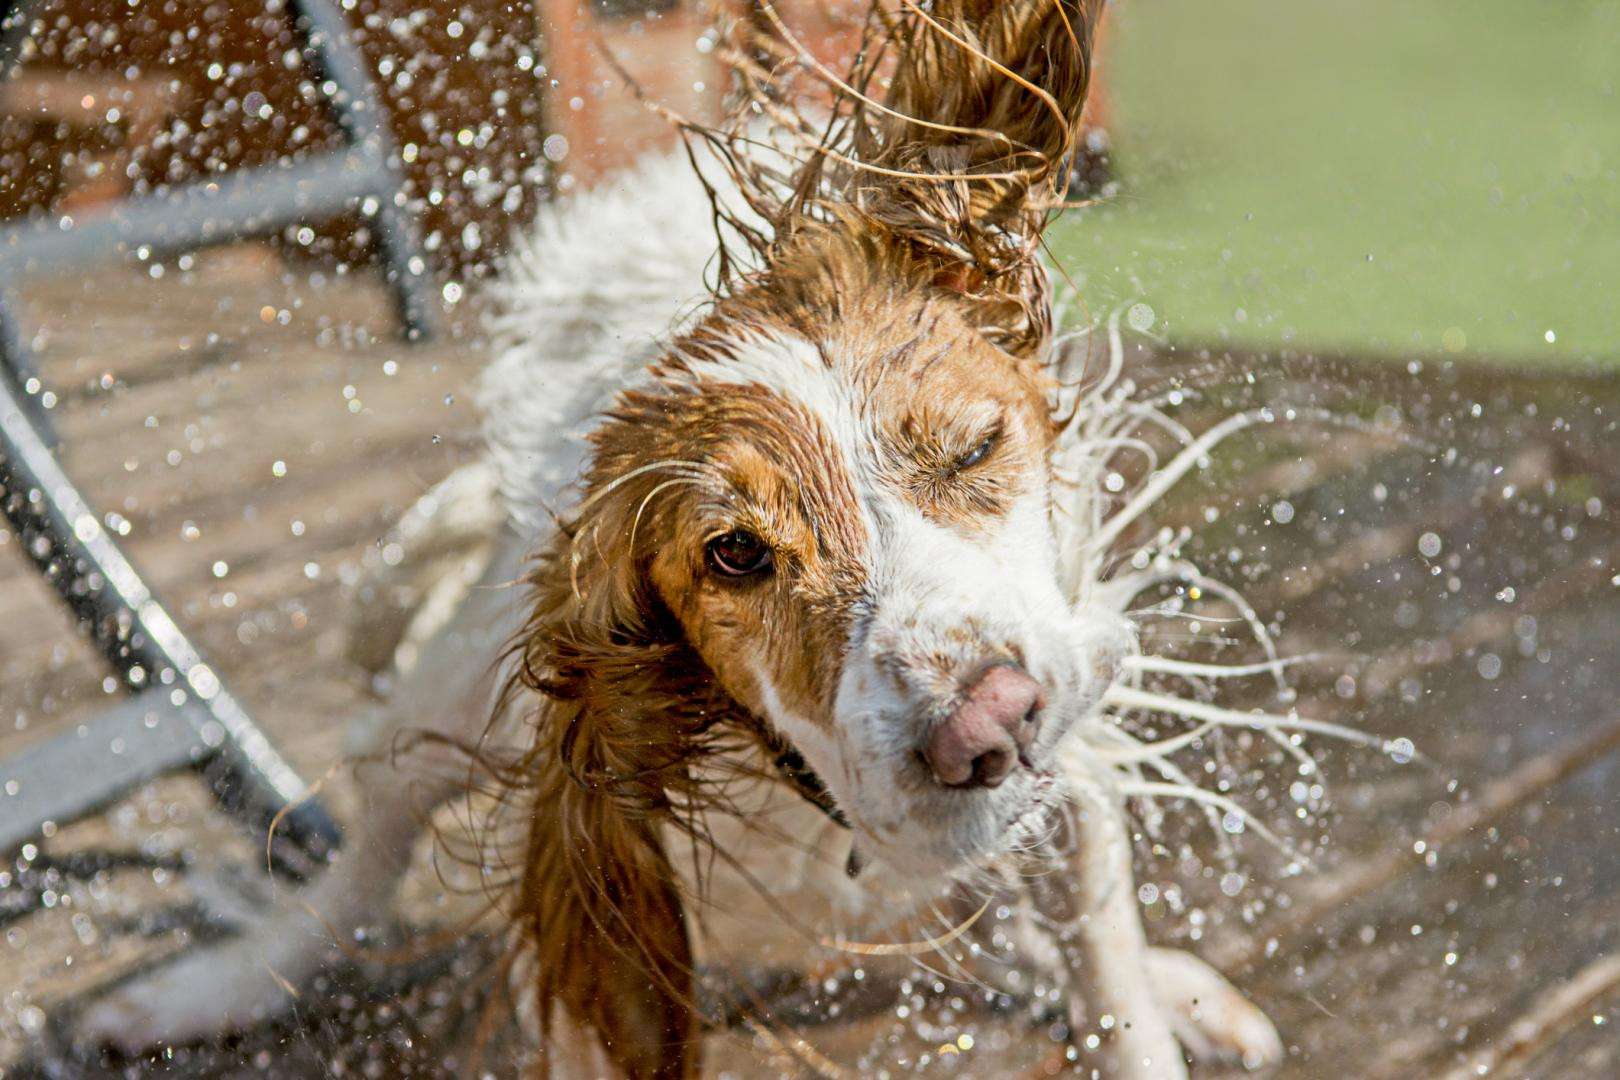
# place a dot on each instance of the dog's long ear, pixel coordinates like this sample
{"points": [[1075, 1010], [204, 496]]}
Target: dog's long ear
{"points": [[969, 156], [972, 158], [611, 955], [608, 771], [962, 161]]}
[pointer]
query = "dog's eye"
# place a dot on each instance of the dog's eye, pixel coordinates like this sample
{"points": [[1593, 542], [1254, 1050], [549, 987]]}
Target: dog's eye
{"points": [[739, 554], [978, 453]]}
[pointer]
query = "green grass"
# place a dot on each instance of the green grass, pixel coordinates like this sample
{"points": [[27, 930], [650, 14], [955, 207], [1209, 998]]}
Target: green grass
{"points": [[1404, 177]]}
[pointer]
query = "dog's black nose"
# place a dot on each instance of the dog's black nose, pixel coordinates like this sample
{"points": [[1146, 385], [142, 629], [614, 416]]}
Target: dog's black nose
{"points": [[982, 740]]}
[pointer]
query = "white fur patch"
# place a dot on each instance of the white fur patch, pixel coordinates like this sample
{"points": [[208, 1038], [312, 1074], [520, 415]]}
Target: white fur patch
{"points": [[589, 298]]}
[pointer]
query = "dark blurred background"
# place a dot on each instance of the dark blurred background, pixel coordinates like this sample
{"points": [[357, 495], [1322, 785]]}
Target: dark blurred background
{"points": [[118, 97]]}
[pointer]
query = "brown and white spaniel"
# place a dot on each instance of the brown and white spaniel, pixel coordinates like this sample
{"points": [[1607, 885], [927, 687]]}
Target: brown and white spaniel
{"points": [[824, 629]]}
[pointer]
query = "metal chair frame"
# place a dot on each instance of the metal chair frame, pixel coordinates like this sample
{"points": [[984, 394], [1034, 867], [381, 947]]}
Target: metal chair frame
{"points": [[181, 714]]}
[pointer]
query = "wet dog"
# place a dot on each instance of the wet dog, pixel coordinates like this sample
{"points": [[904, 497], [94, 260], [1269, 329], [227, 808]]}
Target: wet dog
{"points": [[818, 621]]}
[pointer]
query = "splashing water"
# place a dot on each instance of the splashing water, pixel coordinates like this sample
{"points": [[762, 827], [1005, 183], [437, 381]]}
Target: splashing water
{"points": [[1096, 511]]}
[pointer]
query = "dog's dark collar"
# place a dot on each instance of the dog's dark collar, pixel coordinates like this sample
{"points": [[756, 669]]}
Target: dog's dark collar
{"points": [[800, 776]]}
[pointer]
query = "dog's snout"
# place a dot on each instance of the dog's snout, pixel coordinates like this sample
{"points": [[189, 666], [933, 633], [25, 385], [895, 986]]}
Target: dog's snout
{"points": [[981, 741]]}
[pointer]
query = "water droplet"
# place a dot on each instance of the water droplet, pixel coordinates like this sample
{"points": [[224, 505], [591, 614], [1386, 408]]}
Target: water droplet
{"points": [[31, 1018]]}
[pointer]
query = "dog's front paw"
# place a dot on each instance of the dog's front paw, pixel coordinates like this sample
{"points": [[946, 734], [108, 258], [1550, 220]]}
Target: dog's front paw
{"points": [[1208, 1014]]}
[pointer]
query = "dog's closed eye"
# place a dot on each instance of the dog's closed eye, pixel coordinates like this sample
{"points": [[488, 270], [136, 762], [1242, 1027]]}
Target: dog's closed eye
{"points": [[977, 454], [739, 554]]}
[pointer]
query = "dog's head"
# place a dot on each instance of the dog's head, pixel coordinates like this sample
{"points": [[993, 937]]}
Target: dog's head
{"points": [[825, 514], [836, 493]]}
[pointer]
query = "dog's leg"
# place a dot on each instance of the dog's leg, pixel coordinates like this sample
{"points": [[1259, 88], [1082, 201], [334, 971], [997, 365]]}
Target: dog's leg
{"points": [[253, 976], [1123, 1012], [1133, 1003]]}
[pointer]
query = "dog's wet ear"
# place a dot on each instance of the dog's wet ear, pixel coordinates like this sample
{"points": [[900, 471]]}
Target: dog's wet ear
{"points": [[607, 926], [622, 707], [959, 163], [599, 903], [968, 155], [969, 160], [613, 772]]}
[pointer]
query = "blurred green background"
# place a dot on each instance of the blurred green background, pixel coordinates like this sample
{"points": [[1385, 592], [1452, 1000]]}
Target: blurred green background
{"points": [[1392, 177]]}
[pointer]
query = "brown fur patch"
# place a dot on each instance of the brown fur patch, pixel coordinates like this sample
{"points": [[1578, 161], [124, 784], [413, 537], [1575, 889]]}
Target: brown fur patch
{"points": [[649, 660], [920, 364]]}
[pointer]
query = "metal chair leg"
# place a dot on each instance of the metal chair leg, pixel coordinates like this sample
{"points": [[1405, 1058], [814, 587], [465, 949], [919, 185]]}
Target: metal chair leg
{"points": [[181, 714]]}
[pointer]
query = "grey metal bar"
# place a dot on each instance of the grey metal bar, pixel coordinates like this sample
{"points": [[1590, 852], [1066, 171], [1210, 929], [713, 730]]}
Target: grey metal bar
{"points": [[258, 200], [15, 365], [122, 746], [58, 529], [136, 634], [358, 109]]}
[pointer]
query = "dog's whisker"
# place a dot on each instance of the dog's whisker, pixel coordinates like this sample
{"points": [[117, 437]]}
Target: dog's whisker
{"points": [[1161, 665], [1232, 808], [1153, 751], [1194, 456], [907, 948], [1126, 697]]}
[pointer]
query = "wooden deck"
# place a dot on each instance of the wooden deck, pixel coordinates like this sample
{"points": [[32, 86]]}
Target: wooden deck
{"points": [[1457, 555], [259, 427]]}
